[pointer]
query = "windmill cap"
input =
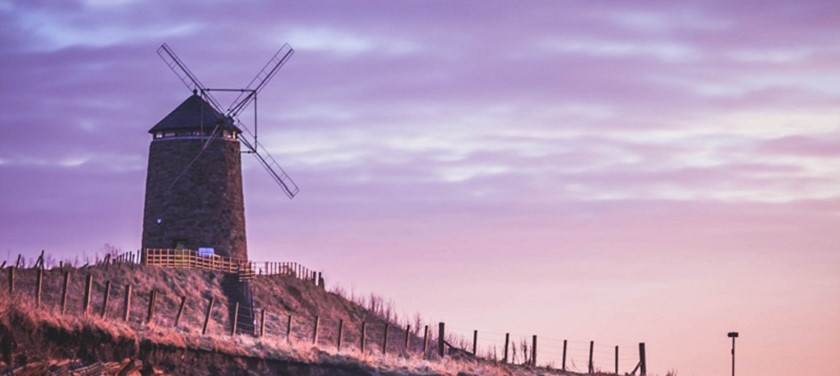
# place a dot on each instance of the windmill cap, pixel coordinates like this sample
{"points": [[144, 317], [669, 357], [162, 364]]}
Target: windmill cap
{"points": [[194, 113]]}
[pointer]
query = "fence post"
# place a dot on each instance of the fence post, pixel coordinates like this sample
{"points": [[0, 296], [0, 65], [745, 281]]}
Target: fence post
{"points": [[564, 355], [105, 299], [642, 362], [591, 348], [362, 335], [385, 340], [534, 351], [38, 287], [12, 279], [235, 319], [340, 332], [151, 312], [315, 331], [88, 287], [127, 302], [256, 331], [475, 342], [441, 340], [507, 344], [425, 339], [616, 360], [289, 330], [180, 310], [206, 316], [407, 337], [64, 290], [262, 323]]}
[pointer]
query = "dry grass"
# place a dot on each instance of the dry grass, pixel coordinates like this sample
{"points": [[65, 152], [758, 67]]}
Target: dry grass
{"points": [[265, 348], [280, 296]]}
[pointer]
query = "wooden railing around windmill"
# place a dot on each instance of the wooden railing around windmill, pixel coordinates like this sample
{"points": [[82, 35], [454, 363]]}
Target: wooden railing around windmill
{"points": [[190, 259]]}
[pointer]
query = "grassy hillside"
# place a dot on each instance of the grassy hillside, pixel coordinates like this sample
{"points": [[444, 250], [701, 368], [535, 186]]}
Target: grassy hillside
{"points": [[42, 336]]}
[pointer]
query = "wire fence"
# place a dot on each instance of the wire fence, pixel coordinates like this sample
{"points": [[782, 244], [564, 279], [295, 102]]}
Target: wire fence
{"points": [[81, 294], [555, 353]]}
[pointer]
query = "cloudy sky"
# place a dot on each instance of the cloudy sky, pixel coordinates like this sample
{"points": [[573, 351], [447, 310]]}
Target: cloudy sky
{"points": [[624, 172]]}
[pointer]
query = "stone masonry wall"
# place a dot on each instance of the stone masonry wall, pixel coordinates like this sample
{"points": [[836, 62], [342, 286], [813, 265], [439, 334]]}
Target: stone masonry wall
{"points": [[204, 208]]}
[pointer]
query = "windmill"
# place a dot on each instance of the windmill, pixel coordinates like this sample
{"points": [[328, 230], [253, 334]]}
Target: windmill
{"points": [[246, 96], [194, 179]]}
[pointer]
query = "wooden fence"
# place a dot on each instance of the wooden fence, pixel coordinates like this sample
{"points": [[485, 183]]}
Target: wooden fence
{"points": [[553, 353], [191, 259], [365, 337]]}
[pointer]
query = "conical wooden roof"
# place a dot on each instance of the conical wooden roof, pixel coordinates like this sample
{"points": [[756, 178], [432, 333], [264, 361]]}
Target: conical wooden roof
{"points": [[194, 113]]}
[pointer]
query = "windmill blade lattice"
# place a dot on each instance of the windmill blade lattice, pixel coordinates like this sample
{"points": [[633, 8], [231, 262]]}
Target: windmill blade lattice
{"points": [[245, 98], [274, 170], [260, 80], [185, 75]]}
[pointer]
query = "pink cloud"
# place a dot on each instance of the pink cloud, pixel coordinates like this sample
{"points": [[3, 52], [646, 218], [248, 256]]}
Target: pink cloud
{"points": [[811, 146], [597, 156]]}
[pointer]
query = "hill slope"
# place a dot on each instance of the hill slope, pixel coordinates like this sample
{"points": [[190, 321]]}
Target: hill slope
{"points": [[43, 336]]}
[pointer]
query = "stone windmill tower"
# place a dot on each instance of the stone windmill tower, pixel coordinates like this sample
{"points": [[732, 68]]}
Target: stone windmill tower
{"points": [[194, 179]]}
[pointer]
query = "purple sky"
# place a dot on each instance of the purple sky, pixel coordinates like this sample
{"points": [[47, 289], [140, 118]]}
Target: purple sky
{"points": [[608, 171]]}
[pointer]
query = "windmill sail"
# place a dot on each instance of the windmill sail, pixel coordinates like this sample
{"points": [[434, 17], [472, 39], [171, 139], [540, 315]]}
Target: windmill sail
{"points": [[245, 97], [273, 168], [261, 79], [184, 74]]}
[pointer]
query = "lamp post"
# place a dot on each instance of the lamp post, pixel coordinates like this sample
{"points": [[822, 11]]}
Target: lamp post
{"points": [[733, 335]]}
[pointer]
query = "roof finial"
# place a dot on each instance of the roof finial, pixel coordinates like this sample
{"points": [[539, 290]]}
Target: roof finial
{"points": [[195, 91]]}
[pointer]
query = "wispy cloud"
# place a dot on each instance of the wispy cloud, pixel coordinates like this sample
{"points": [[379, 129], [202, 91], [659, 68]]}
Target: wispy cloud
{"points": [[573, 136]]}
